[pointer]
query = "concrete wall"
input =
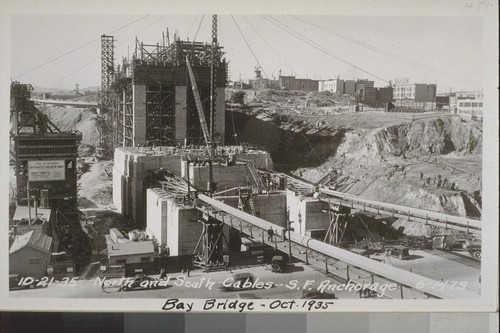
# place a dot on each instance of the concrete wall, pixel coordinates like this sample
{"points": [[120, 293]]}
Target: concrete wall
{"points": [[129, 171], [259, 158], [139, 114], [180, 113], [306, 213], [271, 208], [19, 263], [183, 228], [156, 215]]}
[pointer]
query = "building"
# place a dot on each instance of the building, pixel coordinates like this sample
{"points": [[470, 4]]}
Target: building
{"points": [[136, 256], [29, 254], [443, 102], [467, 103], [335, 86], [478, 95], [470, 108], [361, 85], [154, 103], [416, 92], [350, 87], [415, 96], [376, 97], [292, 83]]}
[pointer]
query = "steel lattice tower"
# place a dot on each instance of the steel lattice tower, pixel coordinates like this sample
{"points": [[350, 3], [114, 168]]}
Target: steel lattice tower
{"points": [[107, 69], [214, 61]]}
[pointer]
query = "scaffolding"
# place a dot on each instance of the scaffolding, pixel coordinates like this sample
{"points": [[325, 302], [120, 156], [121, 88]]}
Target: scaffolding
{"points": [[154, 103], [107, 69]]}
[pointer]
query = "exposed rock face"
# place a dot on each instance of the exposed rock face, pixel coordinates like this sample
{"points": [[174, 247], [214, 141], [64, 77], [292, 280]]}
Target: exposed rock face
{"points": [[385, 164], [435, 136], [431, 136]]}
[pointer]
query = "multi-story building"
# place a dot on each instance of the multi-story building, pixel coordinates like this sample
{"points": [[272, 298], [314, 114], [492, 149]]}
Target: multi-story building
{"points": [[292, 83], [376, 97], [350, 87], [470, 108], [416, 92], [466, 103], [335, 86], [415, 95]]}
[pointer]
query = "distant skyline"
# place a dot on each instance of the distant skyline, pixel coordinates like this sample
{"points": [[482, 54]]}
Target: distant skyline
{"points": [[430, 49]]}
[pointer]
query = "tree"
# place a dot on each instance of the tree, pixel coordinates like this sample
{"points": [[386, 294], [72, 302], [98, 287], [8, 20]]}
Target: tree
{"points": [[239, 97]]}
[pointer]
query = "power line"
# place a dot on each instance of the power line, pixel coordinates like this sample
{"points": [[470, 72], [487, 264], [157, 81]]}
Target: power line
{"points": [[279, 56], [76, 49], [95, 59], [387, 53], [249, 47], [294, 33]]}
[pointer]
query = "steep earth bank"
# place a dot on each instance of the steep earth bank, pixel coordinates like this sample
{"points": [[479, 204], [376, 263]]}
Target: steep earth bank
{"points": [[398, 163]]}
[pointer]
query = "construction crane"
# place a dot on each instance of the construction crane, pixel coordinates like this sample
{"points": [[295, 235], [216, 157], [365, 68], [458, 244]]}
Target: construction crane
{"points": [[199, 107], [208, 133]]}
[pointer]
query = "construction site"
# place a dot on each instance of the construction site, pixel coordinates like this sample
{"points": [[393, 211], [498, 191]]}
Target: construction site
{"points": [[172, 175]]}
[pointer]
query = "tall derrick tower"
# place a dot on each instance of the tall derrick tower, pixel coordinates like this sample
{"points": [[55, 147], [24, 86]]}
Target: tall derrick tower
{"points": [[46, 172]]}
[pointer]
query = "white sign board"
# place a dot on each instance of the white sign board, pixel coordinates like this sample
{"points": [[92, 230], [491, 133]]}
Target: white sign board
{"points": [[45, 171]]}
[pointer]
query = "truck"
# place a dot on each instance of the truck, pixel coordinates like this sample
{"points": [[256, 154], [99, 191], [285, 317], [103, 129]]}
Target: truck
{"points": [[454, 241], [398, 251]]}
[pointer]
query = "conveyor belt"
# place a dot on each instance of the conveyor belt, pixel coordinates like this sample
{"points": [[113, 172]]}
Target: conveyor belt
{"points": [[416, 214], [423, 284]]}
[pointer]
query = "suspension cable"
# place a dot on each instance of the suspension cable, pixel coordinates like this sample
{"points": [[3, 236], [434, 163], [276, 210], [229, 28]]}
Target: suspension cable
{"points": [[249, 47], [76, 49]]}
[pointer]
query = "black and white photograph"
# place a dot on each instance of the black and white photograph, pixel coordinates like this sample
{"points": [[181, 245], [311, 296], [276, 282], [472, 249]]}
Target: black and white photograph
{"points": [[250, 161]]}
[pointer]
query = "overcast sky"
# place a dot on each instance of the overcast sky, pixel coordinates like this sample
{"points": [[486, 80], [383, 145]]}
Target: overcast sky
{"points": [[433, 49]]}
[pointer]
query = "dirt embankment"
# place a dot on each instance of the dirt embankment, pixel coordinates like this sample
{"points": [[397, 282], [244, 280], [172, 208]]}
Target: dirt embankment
{"points": [[70, 119]]}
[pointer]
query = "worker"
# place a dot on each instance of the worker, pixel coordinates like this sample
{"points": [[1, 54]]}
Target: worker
{"points": [[270, 234], [421, 175], [428, 180], [439, 183]]}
